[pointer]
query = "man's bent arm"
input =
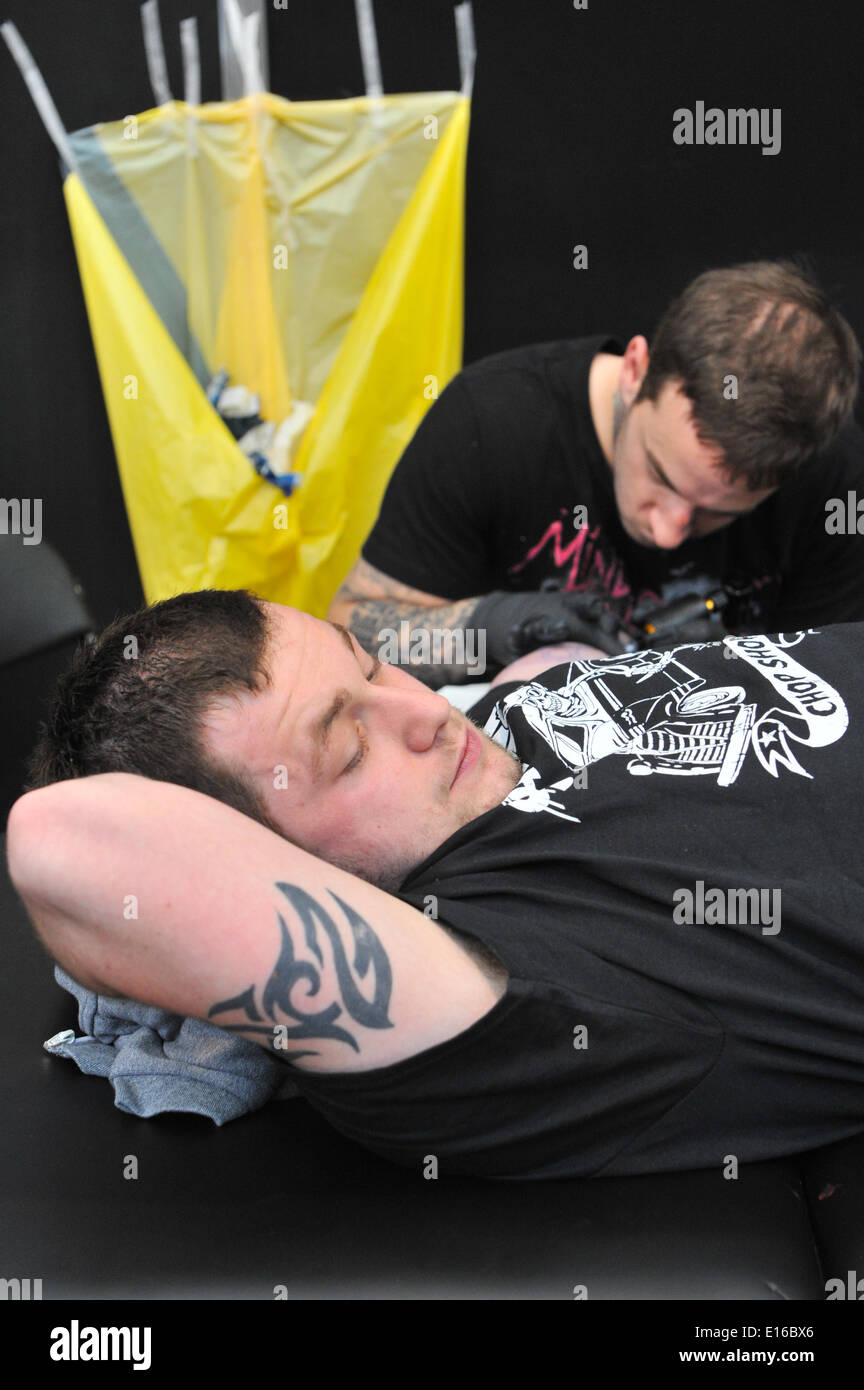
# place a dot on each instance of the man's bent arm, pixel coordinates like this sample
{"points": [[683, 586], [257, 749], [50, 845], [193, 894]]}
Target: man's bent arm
{"points": [[373, 604], [162, 894], [484, 633]]}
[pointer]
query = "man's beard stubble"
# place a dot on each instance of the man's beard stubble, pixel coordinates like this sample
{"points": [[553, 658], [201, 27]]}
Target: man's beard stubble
{"points": [[389, 874]]}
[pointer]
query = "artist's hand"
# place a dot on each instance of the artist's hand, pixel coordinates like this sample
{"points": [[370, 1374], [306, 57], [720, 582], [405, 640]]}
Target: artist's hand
{"points": [[519, 623]]}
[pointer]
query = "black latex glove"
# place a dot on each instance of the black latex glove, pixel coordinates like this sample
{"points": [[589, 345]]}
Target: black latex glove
{"points": [[519, 623]]}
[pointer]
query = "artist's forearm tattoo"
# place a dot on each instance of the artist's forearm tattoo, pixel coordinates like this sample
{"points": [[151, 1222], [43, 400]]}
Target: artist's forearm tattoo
{"points": [[370, 618], [293, 966]]}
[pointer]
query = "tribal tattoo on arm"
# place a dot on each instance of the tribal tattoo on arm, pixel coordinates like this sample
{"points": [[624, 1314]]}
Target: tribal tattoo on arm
{"points": [[370, 963]]}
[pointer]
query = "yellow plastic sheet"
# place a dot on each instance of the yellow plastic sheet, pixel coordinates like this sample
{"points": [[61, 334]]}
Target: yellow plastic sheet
{"points": [[319, 251]]}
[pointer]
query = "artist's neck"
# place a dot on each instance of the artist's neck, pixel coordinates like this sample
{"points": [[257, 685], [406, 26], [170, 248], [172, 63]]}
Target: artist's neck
{"points": [[602, 384]]}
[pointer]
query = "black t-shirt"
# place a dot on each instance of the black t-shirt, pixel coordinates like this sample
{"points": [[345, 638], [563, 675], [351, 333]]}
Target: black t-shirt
{"points": [[675, 888], [483, 498]]}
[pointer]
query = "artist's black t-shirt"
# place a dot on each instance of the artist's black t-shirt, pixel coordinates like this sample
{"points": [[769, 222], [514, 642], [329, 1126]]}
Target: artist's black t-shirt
{"points": [[483, 498], [675, 889]]}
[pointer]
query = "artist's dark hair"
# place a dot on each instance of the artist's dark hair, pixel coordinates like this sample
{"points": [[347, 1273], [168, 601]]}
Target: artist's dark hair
{"points": [[134, 699], [793, 356]]}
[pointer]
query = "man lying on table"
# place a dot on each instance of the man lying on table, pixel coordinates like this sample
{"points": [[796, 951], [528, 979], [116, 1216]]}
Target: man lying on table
{"points": [[611, 927]]}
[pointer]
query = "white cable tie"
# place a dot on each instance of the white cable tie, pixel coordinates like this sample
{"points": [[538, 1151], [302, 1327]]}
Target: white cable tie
{"points": [[369, 47], [42, 98], [244, 32], [466, 45], [154, 49], [191, 62]]}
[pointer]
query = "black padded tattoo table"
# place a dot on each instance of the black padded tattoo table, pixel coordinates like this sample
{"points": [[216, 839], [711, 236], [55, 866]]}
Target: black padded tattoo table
{"points": [[278, 1198]]}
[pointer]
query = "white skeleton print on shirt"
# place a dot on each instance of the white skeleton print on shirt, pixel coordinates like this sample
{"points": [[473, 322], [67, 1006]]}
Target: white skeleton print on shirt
{"points": [[653, 709]]}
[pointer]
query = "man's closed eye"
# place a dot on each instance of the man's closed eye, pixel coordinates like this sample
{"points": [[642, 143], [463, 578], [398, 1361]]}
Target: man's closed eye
{"points": [[364, 746]]}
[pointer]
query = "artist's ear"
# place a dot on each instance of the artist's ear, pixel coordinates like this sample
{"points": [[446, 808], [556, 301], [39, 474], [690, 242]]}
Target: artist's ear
{"points": [[634, 365]]}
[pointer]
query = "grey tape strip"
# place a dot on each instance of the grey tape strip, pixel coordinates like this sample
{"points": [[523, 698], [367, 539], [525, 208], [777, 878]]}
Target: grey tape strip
{"points": [[42, 98], [154, 50], [191, 61], [465, 43], [368, 47], [141, 248]]}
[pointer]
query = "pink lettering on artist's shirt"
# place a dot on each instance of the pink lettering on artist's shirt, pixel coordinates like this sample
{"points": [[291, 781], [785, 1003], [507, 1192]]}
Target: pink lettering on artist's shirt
{"points": [[586, 565]]}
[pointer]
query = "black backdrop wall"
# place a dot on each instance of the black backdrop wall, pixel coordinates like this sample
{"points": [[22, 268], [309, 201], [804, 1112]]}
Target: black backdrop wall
{"points": [[571, 144]]}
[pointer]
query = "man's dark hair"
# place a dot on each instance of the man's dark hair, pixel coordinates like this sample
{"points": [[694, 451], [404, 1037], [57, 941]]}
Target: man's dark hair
{"points": [[794, 357], [135, 698]]}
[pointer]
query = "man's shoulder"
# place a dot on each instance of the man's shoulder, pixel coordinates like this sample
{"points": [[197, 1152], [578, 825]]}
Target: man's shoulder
{"points": [[535, 359], [514, 397], [832, 474], [842, 463], [848, 450], [504, 405]]}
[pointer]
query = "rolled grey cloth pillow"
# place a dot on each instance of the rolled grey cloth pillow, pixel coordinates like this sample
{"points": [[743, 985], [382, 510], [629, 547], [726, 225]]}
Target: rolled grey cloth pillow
{"points": [[158, 1061]]}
